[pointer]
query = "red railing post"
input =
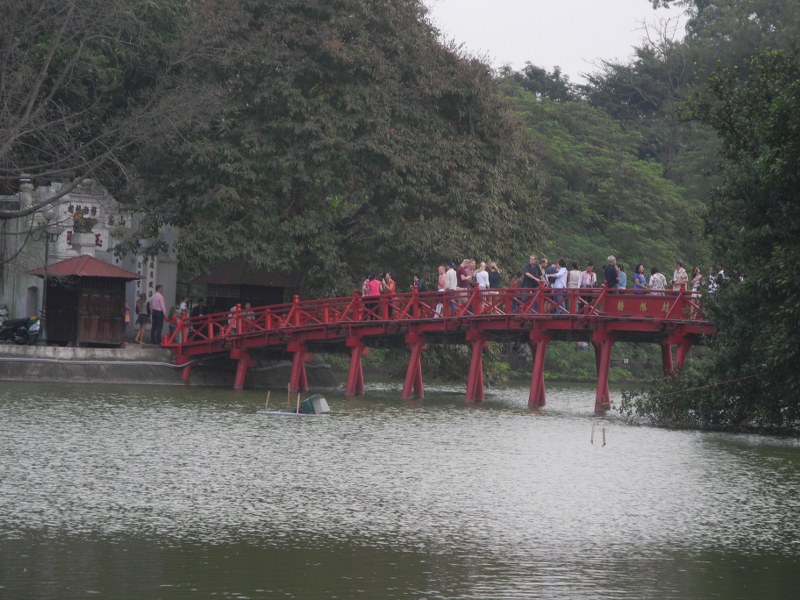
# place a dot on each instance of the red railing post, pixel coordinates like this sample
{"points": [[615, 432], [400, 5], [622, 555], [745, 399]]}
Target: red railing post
{"points": [[358, 306], [237, 318], [415, 303], [384, 307], [296, 311]]}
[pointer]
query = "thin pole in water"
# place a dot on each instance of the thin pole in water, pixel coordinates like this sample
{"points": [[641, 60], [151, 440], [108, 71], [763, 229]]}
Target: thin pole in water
{"points": [[604, 436], [266, 404], [592, 438], [297, 410]]}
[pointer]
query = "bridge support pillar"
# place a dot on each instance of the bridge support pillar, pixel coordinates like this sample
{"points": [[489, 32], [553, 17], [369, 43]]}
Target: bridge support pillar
{"points": [[355, 375], [475, 376], [683, 345], [538, 342], [413, 380], [682, 351], [666, 359], [298, 381], [602, 343], [186, 373], [243, 363]]}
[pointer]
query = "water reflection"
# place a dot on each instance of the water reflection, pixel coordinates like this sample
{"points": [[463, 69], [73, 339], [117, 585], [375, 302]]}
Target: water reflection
{"points": [[180, 492]]}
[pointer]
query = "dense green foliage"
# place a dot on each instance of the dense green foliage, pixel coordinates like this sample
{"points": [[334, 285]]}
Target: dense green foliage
{"points": [[350, 141], [600, 197], [82, 80], [753, 224]]}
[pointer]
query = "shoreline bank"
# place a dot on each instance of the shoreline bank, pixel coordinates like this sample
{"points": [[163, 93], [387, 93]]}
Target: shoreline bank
{"points": [[141, 365]]}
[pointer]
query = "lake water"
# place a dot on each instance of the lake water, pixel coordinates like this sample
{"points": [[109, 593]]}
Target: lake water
{"points": [[152, 492]]}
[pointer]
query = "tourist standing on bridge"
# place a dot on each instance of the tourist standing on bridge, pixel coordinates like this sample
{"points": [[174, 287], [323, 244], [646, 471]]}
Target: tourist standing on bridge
{"points": [[574, 282], [696, 281], [658, 283], [549, 271], [372, 296], [588, 276], [639, 280], [494, 276], [574, 276], [531, 274], [560, 284], [464, 280], [441, 277], [450, 278], [388, 285], [451, 284], [158, 309], [622, 278], [680, 277], [532, 278], [610, 272], [588, 280], [482, 277], [464, 274], [389, 289]]}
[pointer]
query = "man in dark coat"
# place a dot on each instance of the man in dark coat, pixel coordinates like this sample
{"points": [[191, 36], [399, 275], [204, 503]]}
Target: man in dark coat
{"points": [[610, 272]]}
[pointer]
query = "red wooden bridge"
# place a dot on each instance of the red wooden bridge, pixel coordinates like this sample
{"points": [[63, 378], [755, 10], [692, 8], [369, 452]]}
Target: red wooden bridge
{"points": [[602, 316]]}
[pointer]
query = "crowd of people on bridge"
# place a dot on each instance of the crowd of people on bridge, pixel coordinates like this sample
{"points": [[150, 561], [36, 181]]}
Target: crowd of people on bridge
{"points": [[466, 276], [540, 273]]}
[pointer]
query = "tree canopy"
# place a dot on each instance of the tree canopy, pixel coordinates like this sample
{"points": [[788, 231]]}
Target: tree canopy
{"points": [[82, 80], [349, 140], [753, 225], [600, 197]]}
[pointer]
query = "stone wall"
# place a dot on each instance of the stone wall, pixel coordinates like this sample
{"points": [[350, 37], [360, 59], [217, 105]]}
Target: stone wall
{"points": [[142, 366]]}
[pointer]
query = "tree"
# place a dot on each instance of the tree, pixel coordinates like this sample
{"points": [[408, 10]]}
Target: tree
{"points": [[753, 225], [600, 198], [82, 80], [349, 141], [543, 83]]}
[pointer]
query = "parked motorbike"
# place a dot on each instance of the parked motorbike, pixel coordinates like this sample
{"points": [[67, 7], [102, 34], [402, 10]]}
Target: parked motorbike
{"points": [[20, 331]]}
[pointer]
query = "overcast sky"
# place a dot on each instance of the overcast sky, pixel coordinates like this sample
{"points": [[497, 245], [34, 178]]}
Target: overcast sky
{"points": [[574, 34]]}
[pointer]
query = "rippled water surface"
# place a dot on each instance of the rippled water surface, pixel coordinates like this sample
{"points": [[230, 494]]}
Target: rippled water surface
{"points": [[188, 493]]}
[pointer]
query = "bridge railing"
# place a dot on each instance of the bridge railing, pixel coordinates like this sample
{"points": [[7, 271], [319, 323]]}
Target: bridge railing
{"points": [[219, 329]]}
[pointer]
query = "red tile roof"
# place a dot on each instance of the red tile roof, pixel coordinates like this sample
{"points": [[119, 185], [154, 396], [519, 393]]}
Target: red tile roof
{"points": [[85, 266]]}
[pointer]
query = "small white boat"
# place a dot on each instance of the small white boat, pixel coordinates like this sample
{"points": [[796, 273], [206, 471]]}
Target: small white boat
{"points": [[286, 413], [313, 406]]}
